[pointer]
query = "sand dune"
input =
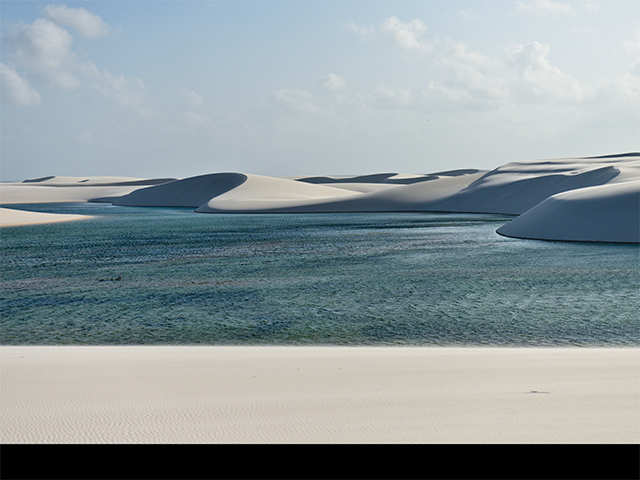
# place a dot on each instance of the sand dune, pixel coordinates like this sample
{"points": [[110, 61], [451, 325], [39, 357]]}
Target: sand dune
{"points": [[22, 193], [607, 213], [236, 190], [416, 196], [510, 189], [92, 181], [319, 394], [18, 218], [187, 192], [515, 187], [56, 189], [363, 187]]}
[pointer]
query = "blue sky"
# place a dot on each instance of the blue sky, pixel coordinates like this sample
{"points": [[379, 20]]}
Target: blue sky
{"points": [[179, 88]]}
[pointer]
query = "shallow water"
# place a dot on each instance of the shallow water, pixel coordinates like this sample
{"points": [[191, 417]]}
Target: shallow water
{"points": [[167, 275]]}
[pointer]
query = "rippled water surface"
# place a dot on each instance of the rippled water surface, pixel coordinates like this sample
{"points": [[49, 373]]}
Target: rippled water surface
{"points": [[160, 275]]}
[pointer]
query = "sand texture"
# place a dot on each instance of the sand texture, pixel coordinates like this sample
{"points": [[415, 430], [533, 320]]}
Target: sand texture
{"points": [[19, 218], [319, 394]]}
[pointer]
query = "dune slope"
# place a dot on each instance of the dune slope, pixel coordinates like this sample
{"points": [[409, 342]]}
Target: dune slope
{"points": [[188, 192], [607, 213], [516, 187], [261, 194]]}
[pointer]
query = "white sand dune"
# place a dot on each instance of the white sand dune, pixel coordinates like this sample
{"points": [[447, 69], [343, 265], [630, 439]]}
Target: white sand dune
{"points": [[509, 189], [416, 196], [187, 192], [363, 187], [23, 193], [56, 189], [515, 187], [319, 394], [236, 191], [17, 218], [607, 213]]}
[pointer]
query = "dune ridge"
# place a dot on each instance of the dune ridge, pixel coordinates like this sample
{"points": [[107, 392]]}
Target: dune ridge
{"points": [[239, 191], [186, 192]]}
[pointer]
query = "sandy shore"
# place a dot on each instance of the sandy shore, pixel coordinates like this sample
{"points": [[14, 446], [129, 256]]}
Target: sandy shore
{"points": [[319, 394], [18, 218]]}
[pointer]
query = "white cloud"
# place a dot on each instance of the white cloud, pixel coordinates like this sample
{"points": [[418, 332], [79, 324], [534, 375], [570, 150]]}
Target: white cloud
{"points": [[467, 78], [406, 34], [334, 82], [44, 48], [82, 20], [17, 88], [545, 7], [387, 97], [193, 98], [360, 30], [128, 92], [297, 100], [632, 46], [538, 79], [629, 85]]}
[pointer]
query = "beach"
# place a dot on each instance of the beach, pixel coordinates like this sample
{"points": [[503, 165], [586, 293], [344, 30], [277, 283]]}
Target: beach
{"points": [[318, 394]]}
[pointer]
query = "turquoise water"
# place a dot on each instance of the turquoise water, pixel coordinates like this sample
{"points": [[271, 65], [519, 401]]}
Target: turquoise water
{"points": [[169, 276]]}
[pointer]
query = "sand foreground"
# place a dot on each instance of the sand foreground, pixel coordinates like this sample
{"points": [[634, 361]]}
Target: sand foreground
{"points": [[176, 394]]}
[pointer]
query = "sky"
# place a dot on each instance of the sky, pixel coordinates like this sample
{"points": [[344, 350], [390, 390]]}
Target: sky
{"points": [[181, 88]]}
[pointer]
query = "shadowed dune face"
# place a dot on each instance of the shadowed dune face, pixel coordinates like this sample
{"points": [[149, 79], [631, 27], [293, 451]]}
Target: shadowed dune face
{"points": [[607, 213], [260, 194], [617, 155], [189, 192], [516, 187], [374, 178], [387, 178], [513, 191], [37, 180], [52, 181]]}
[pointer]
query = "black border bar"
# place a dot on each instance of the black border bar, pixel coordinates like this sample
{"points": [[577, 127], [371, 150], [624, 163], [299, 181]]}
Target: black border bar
{"points": [[230, 461]]}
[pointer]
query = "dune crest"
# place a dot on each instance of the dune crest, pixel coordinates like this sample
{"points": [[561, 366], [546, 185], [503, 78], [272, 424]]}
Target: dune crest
{"points": [[260, 194], [516, 187], [397, 198], [188, 192]]}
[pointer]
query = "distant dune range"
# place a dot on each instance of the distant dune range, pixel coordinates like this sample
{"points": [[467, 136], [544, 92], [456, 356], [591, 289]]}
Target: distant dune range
{"points": [[582, 199]]}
